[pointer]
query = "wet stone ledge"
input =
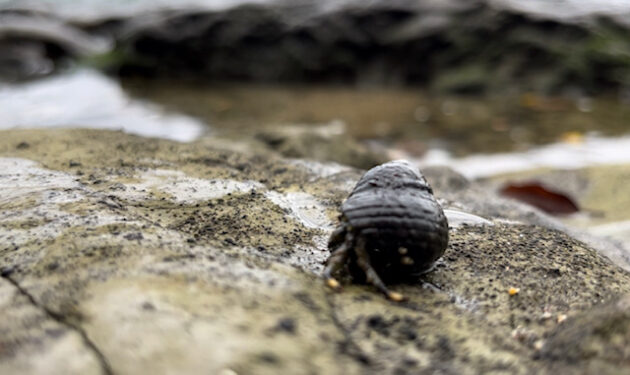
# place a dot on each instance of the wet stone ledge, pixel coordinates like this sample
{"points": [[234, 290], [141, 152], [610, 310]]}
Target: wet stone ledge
{"points": [[447, 46], [122, 254]]}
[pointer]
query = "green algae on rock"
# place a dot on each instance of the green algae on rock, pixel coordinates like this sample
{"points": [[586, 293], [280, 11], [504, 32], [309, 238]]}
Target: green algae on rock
{"points": [[113, 240]]}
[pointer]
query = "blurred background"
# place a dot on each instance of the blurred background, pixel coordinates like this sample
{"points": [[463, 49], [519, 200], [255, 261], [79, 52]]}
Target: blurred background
{"points": [[531, 97]]}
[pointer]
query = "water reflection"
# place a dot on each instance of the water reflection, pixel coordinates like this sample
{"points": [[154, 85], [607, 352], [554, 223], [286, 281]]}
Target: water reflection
{"points": [[88, 99], [588, 151], [409, 119], [477, 136]]}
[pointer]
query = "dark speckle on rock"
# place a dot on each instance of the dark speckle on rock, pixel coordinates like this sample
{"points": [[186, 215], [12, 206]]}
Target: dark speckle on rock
{"points": [[148, 306], [445, 348], [6, 271], [55, 333], [134, 236], [269, 357], [288, 325], [408, 333], [378, 324], [229, 241], [307, 301], [52, 266]]}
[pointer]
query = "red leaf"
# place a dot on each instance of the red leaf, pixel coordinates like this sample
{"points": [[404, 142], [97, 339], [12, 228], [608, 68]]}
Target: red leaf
{"points": [[537, 195]]}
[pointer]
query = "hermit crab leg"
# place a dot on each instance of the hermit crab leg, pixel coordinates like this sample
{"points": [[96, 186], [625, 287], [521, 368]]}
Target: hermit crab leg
{"points": [[363, 260], [339, 235], [337, 259]]}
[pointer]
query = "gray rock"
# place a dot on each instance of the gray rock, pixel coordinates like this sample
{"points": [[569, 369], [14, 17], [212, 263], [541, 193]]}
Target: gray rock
{"points": [[447, 46], [33, 45], [456, 47], [595, 341], [122, 254]]}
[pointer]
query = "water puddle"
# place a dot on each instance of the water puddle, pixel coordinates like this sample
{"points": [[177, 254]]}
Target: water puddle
{"points": [[88, 99], [406, 119]]}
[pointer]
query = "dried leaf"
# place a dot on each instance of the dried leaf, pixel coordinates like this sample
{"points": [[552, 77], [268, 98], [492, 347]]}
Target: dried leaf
{"points": [[537, 195]]}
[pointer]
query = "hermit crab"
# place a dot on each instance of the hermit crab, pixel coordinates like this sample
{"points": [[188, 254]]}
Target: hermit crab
{"points": [[391, 228]]}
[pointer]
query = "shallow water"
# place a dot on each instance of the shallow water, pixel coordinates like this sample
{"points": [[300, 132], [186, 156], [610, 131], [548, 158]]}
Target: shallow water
{"points": [[412, 120], [89, 99], [508, 134]]}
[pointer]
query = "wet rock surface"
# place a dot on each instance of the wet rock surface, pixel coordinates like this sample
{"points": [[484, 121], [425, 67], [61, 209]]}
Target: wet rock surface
{"points": [[121, 254], [34, 45], [451, 46], [448, 46], [599, 192], [595, 341]]}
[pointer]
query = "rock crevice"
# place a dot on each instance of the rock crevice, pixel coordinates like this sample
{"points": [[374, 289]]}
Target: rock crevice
{"points": [[64, 321]]}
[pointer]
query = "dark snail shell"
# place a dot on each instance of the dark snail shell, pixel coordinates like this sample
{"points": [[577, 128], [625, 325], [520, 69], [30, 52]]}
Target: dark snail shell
{"points": [[392, 214]]}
